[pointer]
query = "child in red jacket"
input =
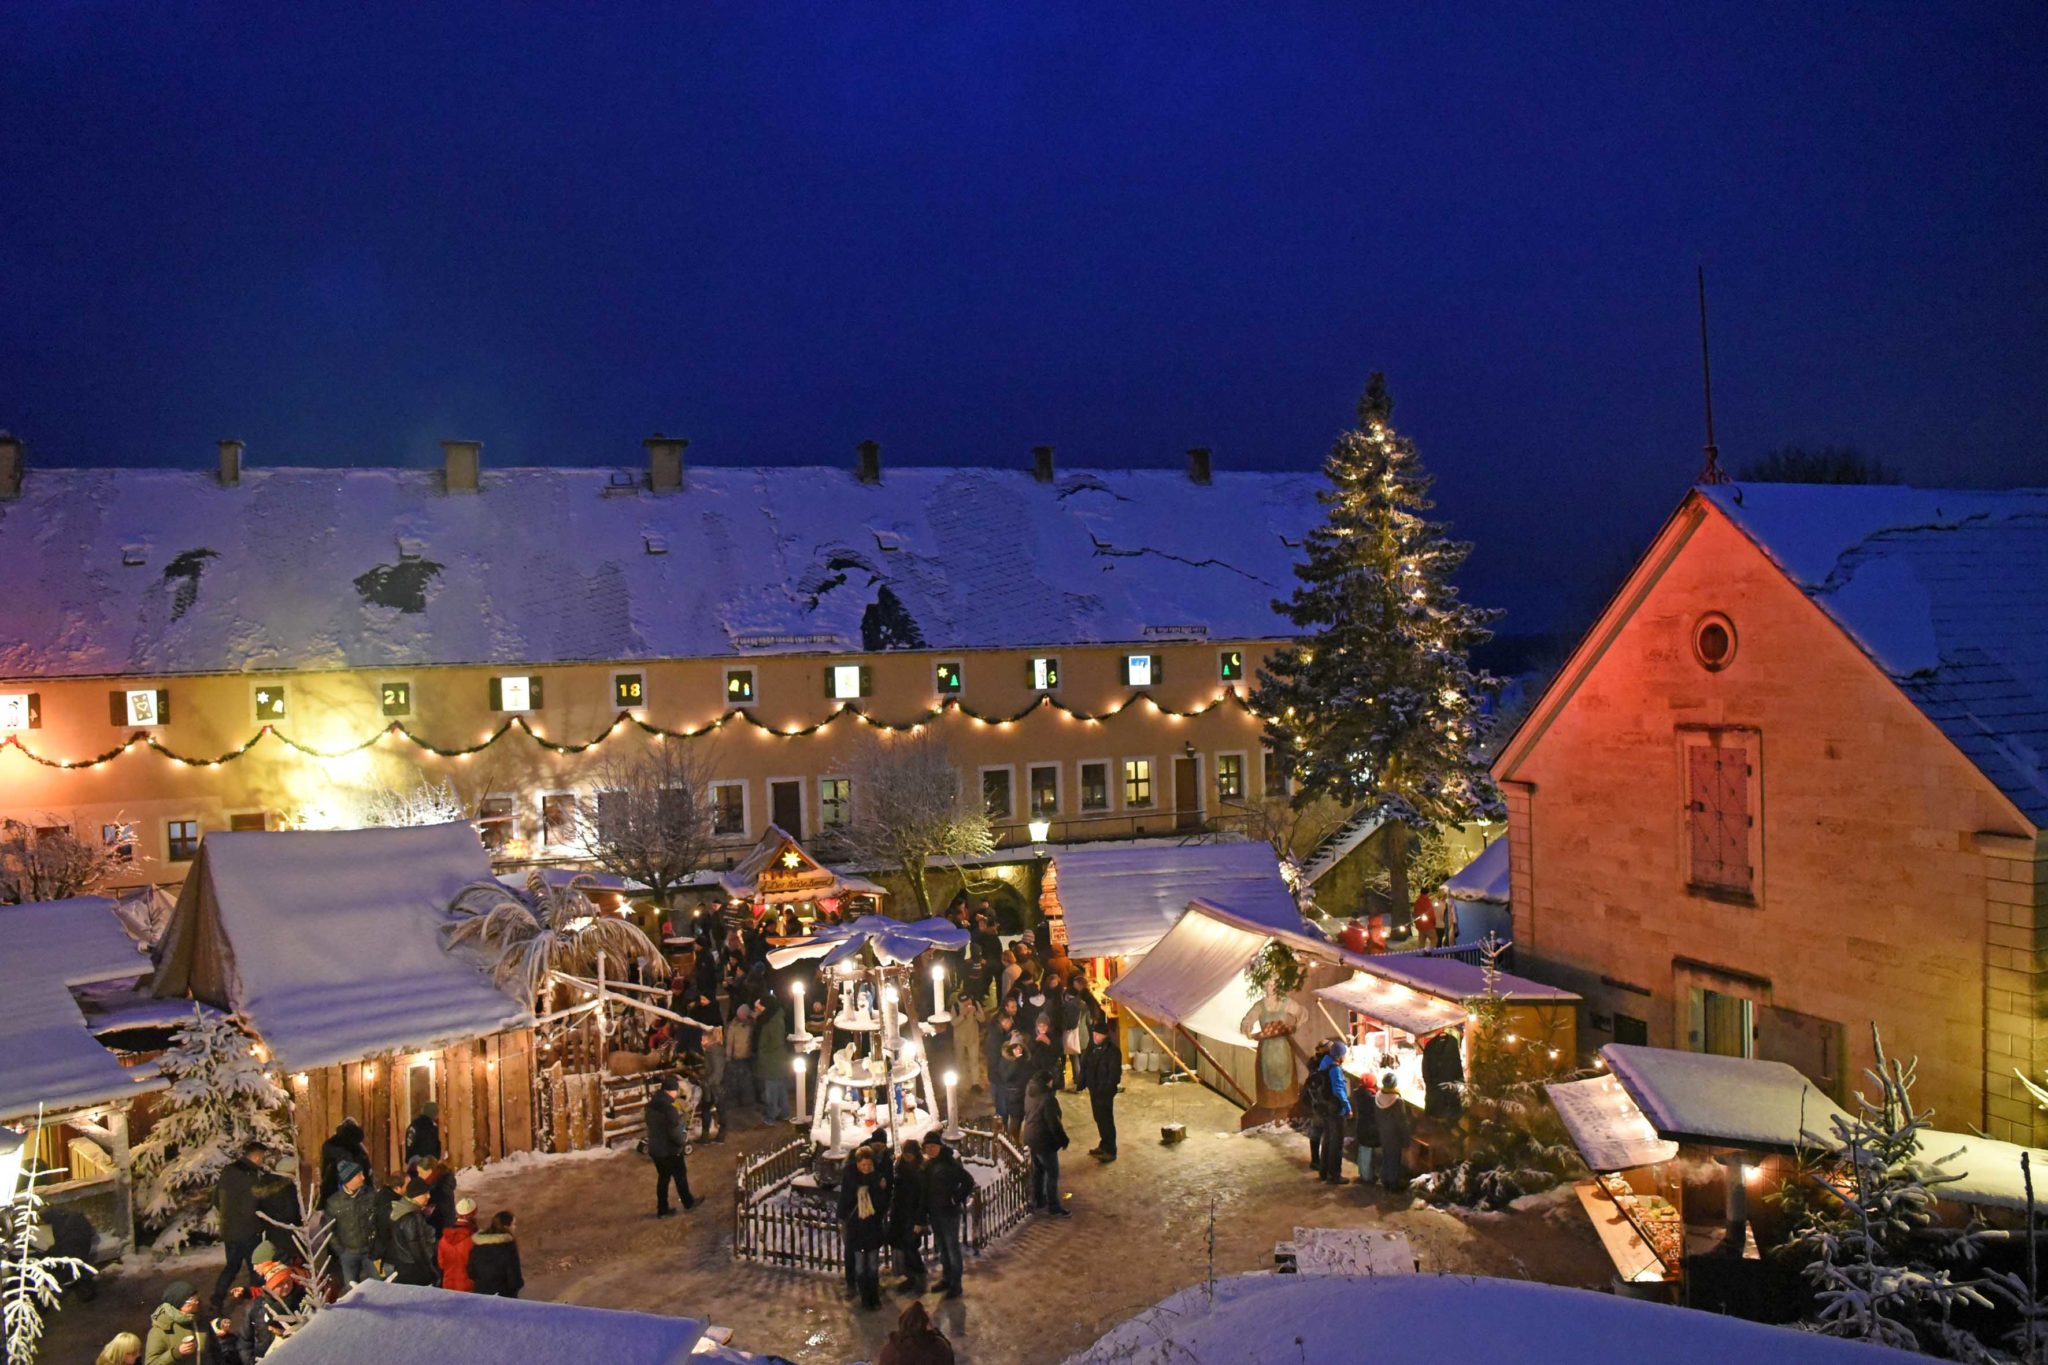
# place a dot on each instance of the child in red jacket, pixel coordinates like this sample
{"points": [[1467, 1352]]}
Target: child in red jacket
{"points": [[455, 1244]]}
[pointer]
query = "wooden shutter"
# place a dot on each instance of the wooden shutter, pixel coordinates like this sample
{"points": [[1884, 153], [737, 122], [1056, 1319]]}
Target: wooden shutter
{"points": [[35, 710], [533, 697], [1718, 814], [1158, 669], [163, 706], [497, 695], [117, 707], [867, 681]]}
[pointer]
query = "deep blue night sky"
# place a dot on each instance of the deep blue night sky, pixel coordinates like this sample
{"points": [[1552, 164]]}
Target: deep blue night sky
{"points": [[343, 232]]}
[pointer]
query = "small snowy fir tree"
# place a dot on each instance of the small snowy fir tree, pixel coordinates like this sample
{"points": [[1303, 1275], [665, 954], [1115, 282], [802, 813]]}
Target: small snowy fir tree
{"points": [[1506, 1140], [1376, 704], [31, 1283], [1876, 1251], [220, 1099]]}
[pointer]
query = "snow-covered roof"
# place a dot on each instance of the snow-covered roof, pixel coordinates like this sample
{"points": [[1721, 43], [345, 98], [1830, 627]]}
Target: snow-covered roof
{"points": [[1987, 1171], [1448, 1320], [1485, 878], [1410, 1011], [53, 1060], [1726, 1101], [1942, 589], [1447, 978], [1195, 976], [327, 942], [378, 1320], [1610, 1130], [804, 879], [1121, 900], [154, 571]]}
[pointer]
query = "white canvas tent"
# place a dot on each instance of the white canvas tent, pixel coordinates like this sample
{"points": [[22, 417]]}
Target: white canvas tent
{"points": [[1195, 976]]}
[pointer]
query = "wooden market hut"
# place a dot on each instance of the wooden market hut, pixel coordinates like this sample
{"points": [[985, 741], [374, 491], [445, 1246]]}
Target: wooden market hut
{"points": [[779, 872], [56, 959], [327, 945]]}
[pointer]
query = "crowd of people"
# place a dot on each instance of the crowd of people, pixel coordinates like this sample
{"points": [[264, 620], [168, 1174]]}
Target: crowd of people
{"points": [[1371, 1110]]}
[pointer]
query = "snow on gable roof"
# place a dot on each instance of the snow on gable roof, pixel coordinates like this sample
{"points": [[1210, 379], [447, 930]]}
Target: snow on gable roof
{"points": [[327, 942], [53, 1060], [1122, 900], [1485, 878], [1942, 589], [1447, 978], [333, 568], [400, 1322], [1730, 1101]]}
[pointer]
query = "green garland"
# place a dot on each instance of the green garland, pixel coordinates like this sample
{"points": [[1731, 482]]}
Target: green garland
{"points": [[1275, 964]]}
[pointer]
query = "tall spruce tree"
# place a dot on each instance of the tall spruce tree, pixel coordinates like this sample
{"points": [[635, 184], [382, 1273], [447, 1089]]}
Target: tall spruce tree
{"points": [[1376, 703]]}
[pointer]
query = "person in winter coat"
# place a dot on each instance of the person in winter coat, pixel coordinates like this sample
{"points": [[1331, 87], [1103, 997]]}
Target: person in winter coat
{"points": [[915, 1341], [123, 1348], [1443, 1076], [739, 1058], [414, 1244], [948, 1190], [907, 1220], [1365, 1126], [666, 1140], [1043, 1048], [234, 1200], [1328, 1089], [346, 1144], [174, 1332], [255, 1323], [993, 1038], [440, 1178], [1390, 1113], [864, 1192], [1045, 1133], [1100, 1072], [494, 1258], [423, 1136], [453, 1253], [390, 1193], [353, 1209], [772, 1059], [1016, 1082]]}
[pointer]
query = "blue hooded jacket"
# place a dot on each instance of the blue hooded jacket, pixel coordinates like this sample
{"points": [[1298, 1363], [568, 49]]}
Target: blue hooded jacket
{"points": [[1340, 1084]]}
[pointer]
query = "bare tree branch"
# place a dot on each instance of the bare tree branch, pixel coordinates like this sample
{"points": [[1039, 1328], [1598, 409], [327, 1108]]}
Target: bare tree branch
{"points": [[650, 818], [910, 808], [52, 864]]}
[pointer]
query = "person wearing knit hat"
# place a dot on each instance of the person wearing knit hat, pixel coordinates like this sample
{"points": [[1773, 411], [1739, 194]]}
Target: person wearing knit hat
{"points": [[173, 1324], [414, 1244], [456, 1241], [264, 1255]]}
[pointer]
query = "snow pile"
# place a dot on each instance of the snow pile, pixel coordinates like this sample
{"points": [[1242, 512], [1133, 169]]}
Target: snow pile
{"points": [[376, 1321], [1257, 1319]]}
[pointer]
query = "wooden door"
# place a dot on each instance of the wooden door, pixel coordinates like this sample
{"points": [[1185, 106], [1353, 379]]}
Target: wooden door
{"points": [[786, 800], [1187, 794]]}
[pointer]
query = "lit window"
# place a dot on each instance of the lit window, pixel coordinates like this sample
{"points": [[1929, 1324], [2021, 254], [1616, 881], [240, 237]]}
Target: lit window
{"points": [[728, 808], [1045, 789], [1230, 665], [949, 680], [1138, 782], [995, 793], [21, 711], [558, 819], [270, 701], [139, 707], [518, 692], [1094, 786], [396, 698], [181, 840], [1230, 776], [249, 820], [494, 822], [121, 839], [739, 687], [835, 801], [1141, 670], [628, 690], [1045, 674], [846, 682]]}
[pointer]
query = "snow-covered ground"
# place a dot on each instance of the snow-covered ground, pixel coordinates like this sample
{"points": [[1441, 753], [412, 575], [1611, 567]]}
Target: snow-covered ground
{"points": [[1265, 1319]]}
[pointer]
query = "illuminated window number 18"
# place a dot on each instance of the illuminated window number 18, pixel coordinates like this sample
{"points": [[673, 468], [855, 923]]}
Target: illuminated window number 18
{"points": [[628, 690]]}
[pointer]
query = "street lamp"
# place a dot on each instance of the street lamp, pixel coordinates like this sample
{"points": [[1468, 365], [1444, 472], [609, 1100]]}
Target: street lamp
{"points": [[1039, 829]]}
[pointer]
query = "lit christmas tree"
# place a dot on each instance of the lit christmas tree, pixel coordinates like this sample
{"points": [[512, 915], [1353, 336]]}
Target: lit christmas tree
{"points": [[222, 1097], [1376, 704]]}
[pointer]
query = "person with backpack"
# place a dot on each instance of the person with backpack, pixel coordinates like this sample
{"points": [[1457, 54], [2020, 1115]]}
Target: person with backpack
{"points": [[1328, 1092]]}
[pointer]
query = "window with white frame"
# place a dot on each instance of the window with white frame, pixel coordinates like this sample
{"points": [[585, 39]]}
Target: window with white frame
{"points": [[1137, 783], [516, 692], [1045, 673], [1141, 670], [997, 801], [1230, 777], [1045, 789], [1279, 782], [835, 802], [729, 809], [846, 682], [1095, 786], [495, 818]]}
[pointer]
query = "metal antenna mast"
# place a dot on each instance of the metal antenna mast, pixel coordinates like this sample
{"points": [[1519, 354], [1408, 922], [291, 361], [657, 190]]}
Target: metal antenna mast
{"points": [[1712, 472]]}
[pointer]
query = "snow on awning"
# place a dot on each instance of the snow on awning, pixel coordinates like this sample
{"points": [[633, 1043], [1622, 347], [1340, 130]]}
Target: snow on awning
{"points": [[1121, 901], [396, 1322], [1485, 878], [1397, 1005], [1987, 1171], [53, 1060], [1194, 977], [1607, 1127], [1725, 1101]]}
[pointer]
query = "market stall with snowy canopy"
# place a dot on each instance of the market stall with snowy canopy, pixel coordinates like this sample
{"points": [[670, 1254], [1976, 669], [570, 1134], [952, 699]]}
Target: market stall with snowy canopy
{"points": [[1481, 890], [61, 959], [1688, 1151], [779, 872], [328, 945], [379, 1321]]}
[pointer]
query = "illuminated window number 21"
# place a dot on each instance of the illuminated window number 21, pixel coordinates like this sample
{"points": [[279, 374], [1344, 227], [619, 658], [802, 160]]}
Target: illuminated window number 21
{"points": [[396, 698]]}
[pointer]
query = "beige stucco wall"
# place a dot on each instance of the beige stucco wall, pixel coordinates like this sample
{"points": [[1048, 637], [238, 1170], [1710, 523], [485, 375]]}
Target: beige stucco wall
{"points": [[1897, 885], [212, 714]]}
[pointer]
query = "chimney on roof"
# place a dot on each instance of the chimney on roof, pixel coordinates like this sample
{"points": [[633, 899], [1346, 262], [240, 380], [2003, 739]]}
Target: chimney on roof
{"points": [[10, 465], [665, 462], [230, 463], [1041, 463], [1198, 465], [867, 465], [461, 465]]}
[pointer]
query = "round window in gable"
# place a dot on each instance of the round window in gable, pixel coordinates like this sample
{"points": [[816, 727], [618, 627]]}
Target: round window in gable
{"points": [[1713, 641]]}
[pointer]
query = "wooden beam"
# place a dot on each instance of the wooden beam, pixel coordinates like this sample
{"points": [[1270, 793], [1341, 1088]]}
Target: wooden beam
{"points": [[1164, 1046], [1203, 1052]]}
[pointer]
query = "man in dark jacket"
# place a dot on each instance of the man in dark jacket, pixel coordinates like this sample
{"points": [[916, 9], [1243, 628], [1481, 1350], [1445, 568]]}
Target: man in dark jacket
{"points": [[391, 1192], [353, 1210], [234, 1199], [1443, 1076], [907, 1220], [1045, 1133], [345, 1145], [494, 1259], [665, 1142], [1328, 1092], [864, 1222], [948, 1190], [415, 1246], [1101, 1072], [423, 1136]]}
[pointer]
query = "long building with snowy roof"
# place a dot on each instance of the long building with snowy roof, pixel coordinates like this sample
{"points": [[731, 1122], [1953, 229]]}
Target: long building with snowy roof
{"points": [[185, 650]]}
